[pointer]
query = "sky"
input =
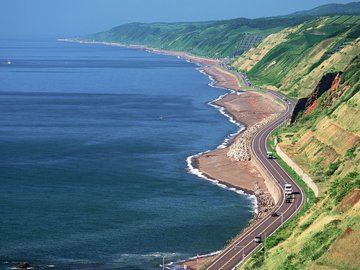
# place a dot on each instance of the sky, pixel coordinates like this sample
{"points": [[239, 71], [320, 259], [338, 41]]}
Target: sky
{"points": [[66, 18]]}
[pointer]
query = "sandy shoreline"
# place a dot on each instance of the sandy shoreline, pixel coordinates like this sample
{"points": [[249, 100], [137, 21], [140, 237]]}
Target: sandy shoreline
{"points": [[245, 108]]}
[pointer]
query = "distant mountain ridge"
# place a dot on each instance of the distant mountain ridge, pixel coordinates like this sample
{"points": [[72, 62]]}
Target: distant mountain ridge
{"points": [[352, 8], [217, 39]]}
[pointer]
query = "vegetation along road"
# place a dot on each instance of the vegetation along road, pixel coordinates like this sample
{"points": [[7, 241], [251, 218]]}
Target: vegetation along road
{"points": [[245, 244]]}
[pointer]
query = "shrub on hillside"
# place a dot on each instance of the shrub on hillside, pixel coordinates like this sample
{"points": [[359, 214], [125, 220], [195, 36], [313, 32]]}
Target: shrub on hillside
{"points": [[342, 186], [332, 168], [350, 153]]}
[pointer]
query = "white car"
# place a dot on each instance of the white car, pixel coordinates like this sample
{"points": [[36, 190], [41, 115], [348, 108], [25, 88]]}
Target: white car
{"points": [[288, 189]]}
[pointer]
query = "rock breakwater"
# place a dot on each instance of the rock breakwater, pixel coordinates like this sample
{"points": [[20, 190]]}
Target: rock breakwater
{"points": [[240, 149]]}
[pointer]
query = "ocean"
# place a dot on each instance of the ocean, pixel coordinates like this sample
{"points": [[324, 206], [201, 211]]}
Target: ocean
{"points": [[93, 142]]}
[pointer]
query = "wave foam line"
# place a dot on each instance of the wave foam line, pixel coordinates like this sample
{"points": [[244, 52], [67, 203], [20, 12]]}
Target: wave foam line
{"points": [[175, 265], [198, 173], [228, 140]]}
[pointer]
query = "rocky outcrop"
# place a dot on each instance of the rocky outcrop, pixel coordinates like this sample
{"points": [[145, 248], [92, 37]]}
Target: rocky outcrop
{"points": [[334, 92], [240, 149], [323, 86], [299, 107], [310, 103]]}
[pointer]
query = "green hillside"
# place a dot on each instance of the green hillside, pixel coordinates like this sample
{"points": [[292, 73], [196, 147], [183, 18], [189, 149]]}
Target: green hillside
{"points": [[215, 39], [304, 54], [218, 39], [325, 142], [319, 62]]}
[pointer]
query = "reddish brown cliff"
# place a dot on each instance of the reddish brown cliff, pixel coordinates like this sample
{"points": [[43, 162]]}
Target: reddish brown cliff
{"points": [[328, 83]]}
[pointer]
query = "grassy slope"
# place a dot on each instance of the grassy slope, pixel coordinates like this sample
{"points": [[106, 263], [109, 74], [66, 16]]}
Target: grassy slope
{"points": [[326, 143], [218, 39], [313, 242], [330, 132], [295, 59], [214, 39], [250, 58]]}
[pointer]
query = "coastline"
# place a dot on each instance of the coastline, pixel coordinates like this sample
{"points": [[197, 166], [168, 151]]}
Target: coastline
{"points": [[243, 109], [243, 177]]}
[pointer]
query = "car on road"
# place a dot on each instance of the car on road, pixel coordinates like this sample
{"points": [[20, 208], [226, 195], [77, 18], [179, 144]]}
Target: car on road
{"points": [[288, 189], [274, 214], [258, 239], [288, 198]]}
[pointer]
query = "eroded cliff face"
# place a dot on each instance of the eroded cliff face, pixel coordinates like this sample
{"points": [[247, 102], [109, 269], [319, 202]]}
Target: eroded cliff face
{"points": [[328, 91], [327, 119], [335, 91], [308, 104]]}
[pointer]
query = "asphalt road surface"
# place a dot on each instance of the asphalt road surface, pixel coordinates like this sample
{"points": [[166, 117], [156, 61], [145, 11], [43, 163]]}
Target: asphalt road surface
{"points": [[245, 244]]}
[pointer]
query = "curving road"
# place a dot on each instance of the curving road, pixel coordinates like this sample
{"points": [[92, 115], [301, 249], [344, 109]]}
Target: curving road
{"points": [[244, 245]]}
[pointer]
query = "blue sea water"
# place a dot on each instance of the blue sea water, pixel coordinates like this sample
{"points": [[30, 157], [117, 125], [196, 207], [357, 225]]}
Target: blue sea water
{"points": [[93, 145]]}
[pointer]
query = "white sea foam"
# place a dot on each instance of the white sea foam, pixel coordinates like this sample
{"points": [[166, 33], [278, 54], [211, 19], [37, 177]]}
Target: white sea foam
{"points": [[228, 140], [206, 255], [198, 173], [255, 204], [126, 256], [142, 259], [175, 265]]}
